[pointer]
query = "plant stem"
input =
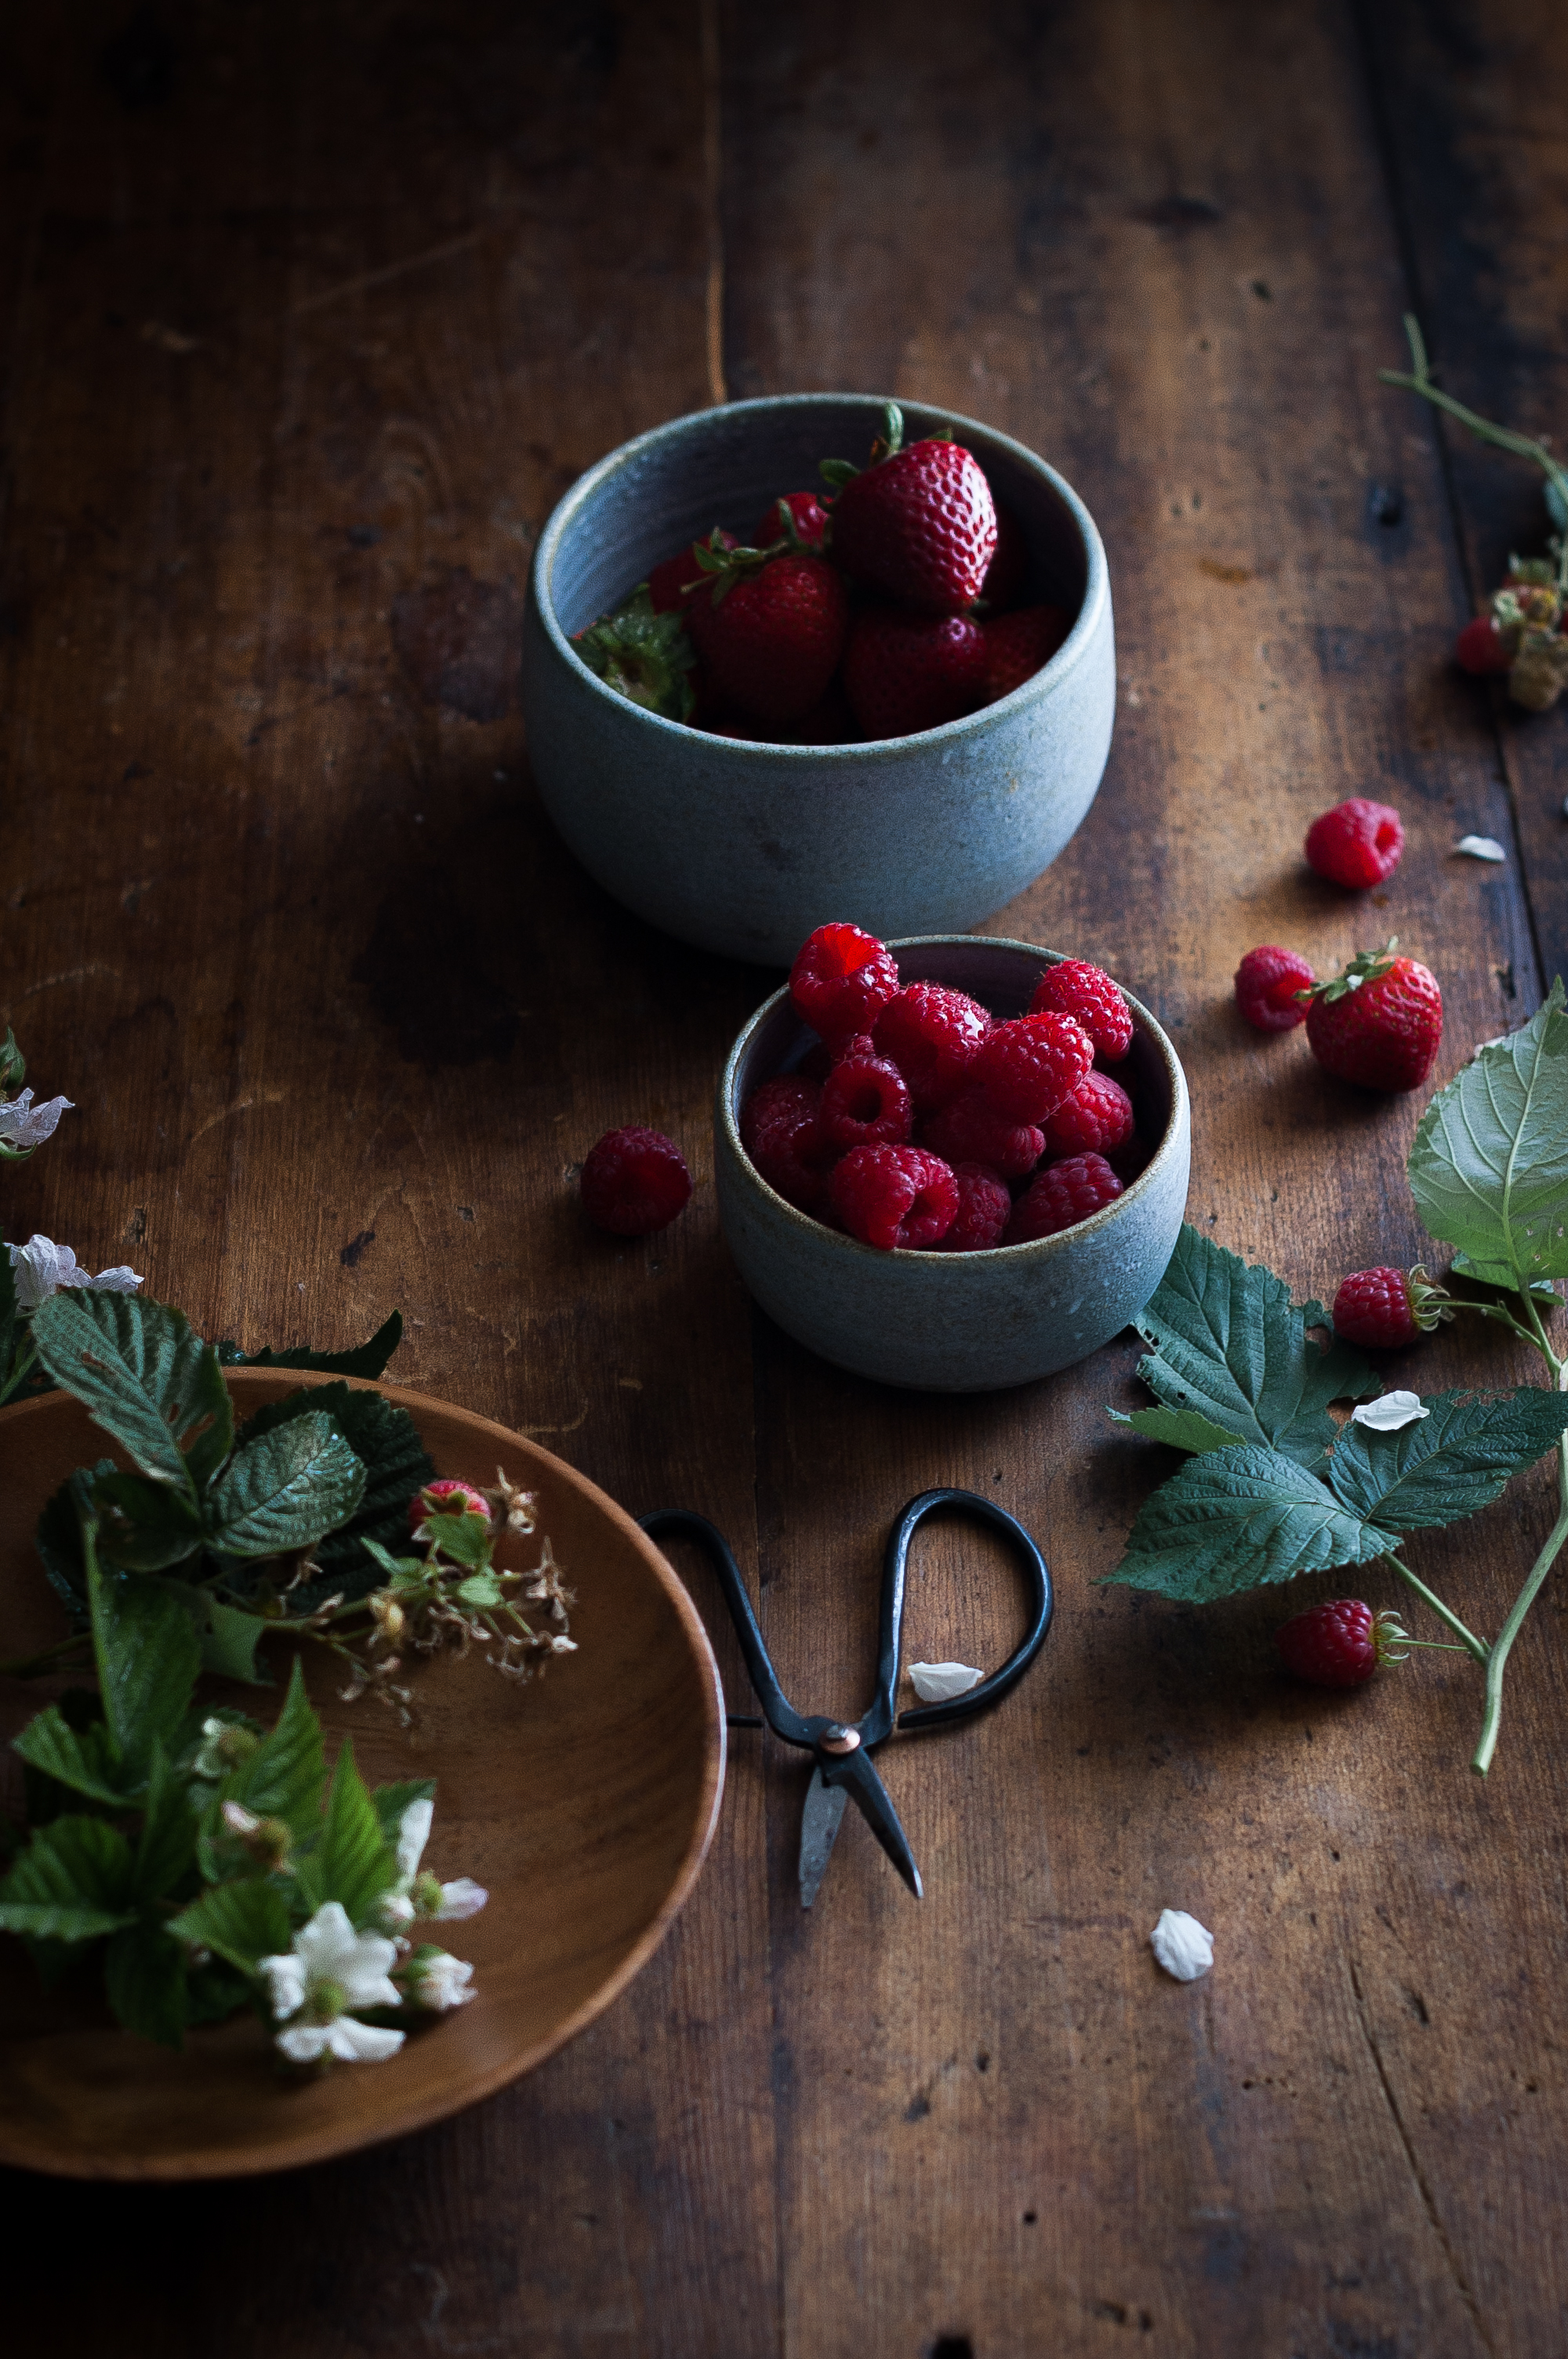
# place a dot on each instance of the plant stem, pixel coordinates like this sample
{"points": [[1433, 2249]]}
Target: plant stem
{"points": [[31, 1667], [1481, 1760], [1503, 437], [1467, 1639], [21, 1369]]}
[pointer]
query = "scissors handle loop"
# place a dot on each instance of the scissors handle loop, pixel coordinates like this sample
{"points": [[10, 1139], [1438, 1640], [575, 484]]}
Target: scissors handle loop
{"points": [[680, 1523], [990, 1691]]}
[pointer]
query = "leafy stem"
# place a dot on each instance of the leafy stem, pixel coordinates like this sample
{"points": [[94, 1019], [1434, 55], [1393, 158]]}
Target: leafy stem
{"points": [[76, 1647], [1481, 1760], [1467, 1639]]}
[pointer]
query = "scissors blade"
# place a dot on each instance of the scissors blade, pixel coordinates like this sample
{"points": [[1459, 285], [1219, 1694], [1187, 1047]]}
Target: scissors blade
{"points": [[818, 1832], [876, 1808]]}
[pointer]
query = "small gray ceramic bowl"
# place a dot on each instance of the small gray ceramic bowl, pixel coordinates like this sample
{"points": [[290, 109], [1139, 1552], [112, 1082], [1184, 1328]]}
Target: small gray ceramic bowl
{"points": [[744, 849], [956, 1322]]}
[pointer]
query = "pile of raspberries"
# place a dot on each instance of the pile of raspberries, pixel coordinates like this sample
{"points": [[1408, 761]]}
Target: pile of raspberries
{"points": [[918, 1121]]}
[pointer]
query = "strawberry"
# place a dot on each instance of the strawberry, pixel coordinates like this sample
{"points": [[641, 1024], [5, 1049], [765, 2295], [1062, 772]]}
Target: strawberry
{"points": [[642, 654], [673, 584], [1481, 648], [1018, 645], [907, 672], [1005, 574], [919, 523], [1339, 1645], [1379, 1023], [798, 518], [1382, 1309], [770, 630]]}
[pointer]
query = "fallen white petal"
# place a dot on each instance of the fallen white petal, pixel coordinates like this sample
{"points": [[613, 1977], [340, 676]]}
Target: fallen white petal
{"points": [[1184, 1947], [939, 1683], [1481, 847], [22, 1124], [1391, 1410], [1500, 1042]]}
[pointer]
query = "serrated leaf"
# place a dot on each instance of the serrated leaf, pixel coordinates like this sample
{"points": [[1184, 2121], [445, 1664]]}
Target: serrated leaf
{"points": [[462, 1538], [1448, 1465], [480, 1589], [144, 1375], [82, 1761], [391, 1802], [242, 1921], [1184, 1429], [144, 1527], [58, 1537], [1488, 1273], [1489, 1165], [368, 1360], [146, 1654], [72, 1883], [398, 1569], [1229, 1344], [229, 1643], [353, 1863], [285, 1490], [1232, 1519], [144, 1980], [385, 1440], [166, 1847], [286, 1774]]}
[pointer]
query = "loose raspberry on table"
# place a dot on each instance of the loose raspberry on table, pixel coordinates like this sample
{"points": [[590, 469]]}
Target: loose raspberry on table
{"points": [[1339, 1645], [634, 1182], [970, 1130], [1095, 1120], [894, 1196], [1383, 1309], [1482, 648], [984, 1209], [933, 1035], [866, 1102], [781, 1130], [1073, 987], [1267, 983], [446, 1497], [1061, 1196], [839, 980], [1031, 1066], [1356, 843]]}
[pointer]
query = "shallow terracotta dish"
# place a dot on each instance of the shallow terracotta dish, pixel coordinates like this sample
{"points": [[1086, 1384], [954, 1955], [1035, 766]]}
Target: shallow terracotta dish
{"points": [[956, 1322], [585, 1801]]}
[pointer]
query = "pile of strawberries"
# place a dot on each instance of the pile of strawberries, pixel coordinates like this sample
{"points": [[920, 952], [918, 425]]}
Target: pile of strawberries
{"points": [[879, 607], [919, 1120]]}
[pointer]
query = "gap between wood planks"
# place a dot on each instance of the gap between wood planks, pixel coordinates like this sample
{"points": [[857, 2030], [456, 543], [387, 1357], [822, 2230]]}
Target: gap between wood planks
{"points": [[713, 186]]}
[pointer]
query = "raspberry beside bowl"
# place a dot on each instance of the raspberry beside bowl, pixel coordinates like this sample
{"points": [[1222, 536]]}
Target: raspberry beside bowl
{"points": [[744, 848], [955, 1322]]}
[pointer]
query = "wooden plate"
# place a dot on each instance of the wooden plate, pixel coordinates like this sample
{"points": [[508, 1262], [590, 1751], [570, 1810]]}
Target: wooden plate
{"points": [[585, 1801]]}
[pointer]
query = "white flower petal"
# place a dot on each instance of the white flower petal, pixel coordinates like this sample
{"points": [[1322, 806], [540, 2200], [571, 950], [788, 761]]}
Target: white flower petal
{"points": [[443, 1982], [396, 1909], [326, 1942], [1481, 847], [121, 1279], [304, 2041], [412, 1834], [285, 1980], [1389, 1412], [1184, 1947], [939, 1683], [41, 1268], [362, 2043], [22, 1124], [461, 1898], [1500, 1042]]}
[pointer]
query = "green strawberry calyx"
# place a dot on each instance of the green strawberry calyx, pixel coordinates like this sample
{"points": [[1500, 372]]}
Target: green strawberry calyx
{"points": [[887, 445], [1367, 966]]}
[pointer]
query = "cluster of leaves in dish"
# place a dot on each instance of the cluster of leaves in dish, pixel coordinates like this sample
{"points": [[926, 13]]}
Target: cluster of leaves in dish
{"points": [[1273, 1487], [178, 1849]]}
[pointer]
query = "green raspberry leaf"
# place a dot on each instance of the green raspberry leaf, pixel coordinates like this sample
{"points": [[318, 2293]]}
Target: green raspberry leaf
{"points": [[144, 1978], [285, 1490], [1491, 1273], [1448, 1465], [1229, 1346], [72, 1883], [1184, 1429], [166, 1847], [1489, 1165], [480, 1589], [144, 1527], [385, 1440], [1233, 1519], [353, 1863], [368, 1359], [243, 1921], [391, 1802], [145, 1375], [148, 1656], [286, 1774], [462, 1538], [81, 1760]]}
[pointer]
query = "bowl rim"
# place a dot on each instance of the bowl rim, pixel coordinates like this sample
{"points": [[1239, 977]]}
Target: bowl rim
{"points": [[402, 2115], [1040, 684], [1040, 1249]]}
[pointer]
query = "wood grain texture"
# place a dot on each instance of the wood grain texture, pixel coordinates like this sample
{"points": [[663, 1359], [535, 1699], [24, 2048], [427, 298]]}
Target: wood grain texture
{"points": [[312, 314]]}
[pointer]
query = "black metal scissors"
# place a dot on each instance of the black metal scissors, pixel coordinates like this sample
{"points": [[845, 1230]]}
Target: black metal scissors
{"points": [[841, 1750]]}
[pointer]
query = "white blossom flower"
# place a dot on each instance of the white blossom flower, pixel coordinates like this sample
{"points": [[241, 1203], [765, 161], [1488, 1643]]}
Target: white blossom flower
{"points": [[438, 1982], [24, 1124], [312, 1986], [1389, 1412], [1481, 847], [938, 1682], [41, 1268], [1184, 1947], [423, 1895]]}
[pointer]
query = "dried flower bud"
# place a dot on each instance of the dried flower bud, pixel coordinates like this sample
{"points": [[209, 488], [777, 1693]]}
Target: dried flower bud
{"points": [[1540, 672]]}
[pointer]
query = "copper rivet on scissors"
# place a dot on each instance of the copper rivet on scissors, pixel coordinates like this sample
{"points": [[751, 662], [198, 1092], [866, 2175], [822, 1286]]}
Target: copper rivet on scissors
{"points": [[841, 1740]]}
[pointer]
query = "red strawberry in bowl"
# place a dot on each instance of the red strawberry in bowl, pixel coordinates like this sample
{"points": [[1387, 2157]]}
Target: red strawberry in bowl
{"points": [[770, 631], [905, 672], [1018, 645], [1010, 564], [673, 583], [918, 523], [800, 518]]}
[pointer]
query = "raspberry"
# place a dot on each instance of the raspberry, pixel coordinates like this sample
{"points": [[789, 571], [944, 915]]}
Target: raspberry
{"points": [[1382, 1309], [1267, 983], [1356, 843], [865, 1102], [634, 1182], [984, 1206], [932, 1034], [1481, 648], [839, 979], [1061, 1196], [890, 1196], [970, 1130], [1096, 1119], [781, 1130], [446, 1498], [1028, 1068], [1074, 987], [1339, 1645]]}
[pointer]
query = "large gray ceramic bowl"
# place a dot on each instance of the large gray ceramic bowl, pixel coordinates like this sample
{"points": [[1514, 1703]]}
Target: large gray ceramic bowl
{"points": [[956, 1322], [743, 849]]}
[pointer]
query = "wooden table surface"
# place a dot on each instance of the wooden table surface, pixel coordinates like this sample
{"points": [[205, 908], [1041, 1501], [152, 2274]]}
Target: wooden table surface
{"points": [[312, 313]]}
